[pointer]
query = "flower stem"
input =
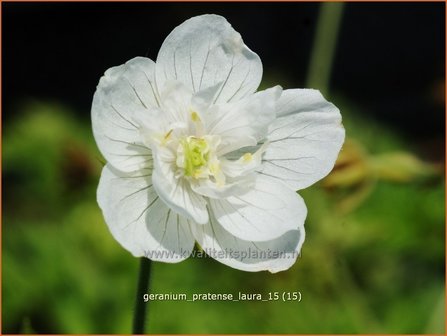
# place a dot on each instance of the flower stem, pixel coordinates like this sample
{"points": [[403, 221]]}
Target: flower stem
{"points": [[142, 288], [325, 42]]}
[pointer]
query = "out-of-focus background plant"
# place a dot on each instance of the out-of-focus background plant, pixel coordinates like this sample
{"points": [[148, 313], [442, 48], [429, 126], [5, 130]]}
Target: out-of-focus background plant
{"points": [[373, 261]]}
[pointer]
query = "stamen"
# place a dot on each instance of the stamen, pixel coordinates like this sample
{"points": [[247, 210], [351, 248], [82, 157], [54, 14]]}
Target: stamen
{"points": [[195, 117], [247, 157], [166, 137], [197, 123]]}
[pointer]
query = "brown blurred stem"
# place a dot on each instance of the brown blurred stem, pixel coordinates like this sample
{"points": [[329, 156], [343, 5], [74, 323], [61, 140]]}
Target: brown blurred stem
{"points": [[139, 320]]}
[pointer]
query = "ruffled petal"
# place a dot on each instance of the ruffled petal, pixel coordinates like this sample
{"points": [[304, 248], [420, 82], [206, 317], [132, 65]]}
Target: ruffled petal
{"points": [[204, 51], [245, 164], [305, 139], [178, 195], [233, 187], [275, 255], [124, 94], [246, 120], [238, 174], [267, 211], [176, 102], [139, 220]]}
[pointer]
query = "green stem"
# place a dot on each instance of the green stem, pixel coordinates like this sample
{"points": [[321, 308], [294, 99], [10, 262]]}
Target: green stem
{"points": [[142, 288], [323, 50]]}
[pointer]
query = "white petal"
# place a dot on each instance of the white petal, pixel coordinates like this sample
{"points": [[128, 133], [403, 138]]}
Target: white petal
{"points": [[248, 119], [266, 212], [305, 140], [178, 195], [275, 255], [234, 147], [139, 220], [245, 164], [176, 102], [124, 94], [204, 51], [233, 187], [179, 105], [203, 99]]}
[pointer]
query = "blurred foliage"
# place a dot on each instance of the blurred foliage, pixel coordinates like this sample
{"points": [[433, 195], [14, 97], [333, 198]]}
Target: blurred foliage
{"points": [[358, 171], [373, 261]]}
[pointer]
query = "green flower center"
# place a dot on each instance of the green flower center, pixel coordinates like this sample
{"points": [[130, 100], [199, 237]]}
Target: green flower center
{"points": [[196, 152]]}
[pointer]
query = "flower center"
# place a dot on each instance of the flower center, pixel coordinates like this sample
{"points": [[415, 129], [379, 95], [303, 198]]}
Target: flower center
{"points": [[195, 155]]}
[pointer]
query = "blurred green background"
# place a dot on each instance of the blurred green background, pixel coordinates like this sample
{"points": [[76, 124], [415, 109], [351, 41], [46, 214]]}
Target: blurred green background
{"points": [[373, 260]]}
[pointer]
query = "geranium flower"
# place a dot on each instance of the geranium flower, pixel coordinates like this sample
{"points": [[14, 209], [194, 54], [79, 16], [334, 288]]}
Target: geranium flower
{"points": [[195, 154]]}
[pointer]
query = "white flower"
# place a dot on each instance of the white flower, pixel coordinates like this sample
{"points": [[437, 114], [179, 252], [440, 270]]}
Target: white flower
{"points": [[196, 154]]}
